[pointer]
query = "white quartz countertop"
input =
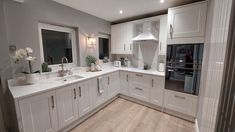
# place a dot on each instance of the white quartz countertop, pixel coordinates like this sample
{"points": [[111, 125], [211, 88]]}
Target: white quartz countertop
{"points": [[20, 90]]}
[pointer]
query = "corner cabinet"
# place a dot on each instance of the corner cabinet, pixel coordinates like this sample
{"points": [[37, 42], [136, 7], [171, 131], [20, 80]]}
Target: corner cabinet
{"points": [[112, 84], [121, 38], [124, 83], [39, 113], [186, 24], [99, 91]]}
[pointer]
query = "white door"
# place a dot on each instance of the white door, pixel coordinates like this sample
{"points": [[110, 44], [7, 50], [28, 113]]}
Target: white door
{"points": [[128, 36], [187, 21], [85, 98], [113, 84], [163, 35], [98, 90], [67, 101], [157, 90], [39, 113], [117, 46], [124, 82]]}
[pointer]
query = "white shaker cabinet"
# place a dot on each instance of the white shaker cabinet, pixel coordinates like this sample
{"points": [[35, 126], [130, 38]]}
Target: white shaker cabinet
{"points": [[84, 98], [163, 35], [98, 90], [180, 102], [39, 113], [124, 82], [121, 38], [67, 100], [112, 84], [157, 90], [186, 24]]}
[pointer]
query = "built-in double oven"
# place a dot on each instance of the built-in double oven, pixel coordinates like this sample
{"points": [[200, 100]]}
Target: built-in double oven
{"points": [[183, 67]]}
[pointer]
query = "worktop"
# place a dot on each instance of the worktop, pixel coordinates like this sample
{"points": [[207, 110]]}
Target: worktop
{"points": [[48, 82]]}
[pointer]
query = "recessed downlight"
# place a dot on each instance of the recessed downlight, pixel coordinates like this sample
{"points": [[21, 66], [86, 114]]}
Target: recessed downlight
{"points": [[162, 1], [121, 12]]}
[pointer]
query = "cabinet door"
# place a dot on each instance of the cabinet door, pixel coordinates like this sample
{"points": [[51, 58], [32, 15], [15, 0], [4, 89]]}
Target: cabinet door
{"points": [[67, 105], [163, 35], [124, 82], [157, 90], [121, 38], [98, 90], [39, 113], [139, 92], [85, 98], [113, 84], [187, 21], [180, 102]]}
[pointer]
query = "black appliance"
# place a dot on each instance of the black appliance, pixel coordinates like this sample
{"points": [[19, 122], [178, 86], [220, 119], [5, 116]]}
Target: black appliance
{"points": [[183, 67]]}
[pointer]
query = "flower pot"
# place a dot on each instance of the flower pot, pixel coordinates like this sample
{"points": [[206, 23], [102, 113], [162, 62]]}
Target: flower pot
{"points": [[31, 78]]}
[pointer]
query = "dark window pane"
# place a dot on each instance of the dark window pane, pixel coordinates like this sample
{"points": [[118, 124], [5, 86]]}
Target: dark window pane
{"points": [[56, 45], [103, 48]]}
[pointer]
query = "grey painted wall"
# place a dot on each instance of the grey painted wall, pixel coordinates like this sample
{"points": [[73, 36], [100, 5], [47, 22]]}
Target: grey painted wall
{"points": [[22, 23]]}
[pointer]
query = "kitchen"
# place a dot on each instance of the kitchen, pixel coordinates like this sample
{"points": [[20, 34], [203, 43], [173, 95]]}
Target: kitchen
{"points": [[150, 66]]}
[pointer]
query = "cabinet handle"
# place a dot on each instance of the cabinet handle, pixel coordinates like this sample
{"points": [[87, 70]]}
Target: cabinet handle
{"points": [[152, 82], [108, 80], [52, 102], [138, 88], [127, 78], [75, 93], [80, 92], [171, 30], [125, 47], [179, 97], [160, 45], [130, 47], [139, 75]]}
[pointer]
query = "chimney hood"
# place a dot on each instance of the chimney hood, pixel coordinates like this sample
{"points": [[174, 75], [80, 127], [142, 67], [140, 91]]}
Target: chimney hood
{"points": [[147, 33]]}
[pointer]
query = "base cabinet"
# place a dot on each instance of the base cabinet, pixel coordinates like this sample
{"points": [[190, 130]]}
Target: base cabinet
{"points": [[180, 102], [84, 98], [67, 103], [99, 91], [124, 83], [112, 84], [157, 91], [39, 113]]}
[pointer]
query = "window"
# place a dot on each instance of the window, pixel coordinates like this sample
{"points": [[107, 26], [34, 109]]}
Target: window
{"points": [[103, 47], [57, 42]]}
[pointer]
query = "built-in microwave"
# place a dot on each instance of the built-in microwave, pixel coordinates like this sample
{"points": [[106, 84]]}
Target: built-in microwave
{"points": [[183, 67]]}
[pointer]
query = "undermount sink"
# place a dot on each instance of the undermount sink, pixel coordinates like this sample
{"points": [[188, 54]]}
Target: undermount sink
{"points": [[69, 78]]}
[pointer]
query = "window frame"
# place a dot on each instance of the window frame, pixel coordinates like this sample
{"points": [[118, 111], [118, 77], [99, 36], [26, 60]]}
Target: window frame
{"points": [[51, 27], [106, 37]]}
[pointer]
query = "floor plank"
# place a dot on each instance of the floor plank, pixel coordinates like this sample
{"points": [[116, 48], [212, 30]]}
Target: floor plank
{"points": [[125, 116]]}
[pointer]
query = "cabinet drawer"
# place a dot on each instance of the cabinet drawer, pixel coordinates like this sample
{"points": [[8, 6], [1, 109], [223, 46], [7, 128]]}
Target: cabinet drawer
{"points": [[139, 92], [141, 79], [180, 102]]}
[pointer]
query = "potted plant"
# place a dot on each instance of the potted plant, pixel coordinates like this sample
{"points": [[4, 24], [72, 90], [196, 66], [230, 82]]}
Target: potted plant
{"points": [[91, 60], [30, 77]]}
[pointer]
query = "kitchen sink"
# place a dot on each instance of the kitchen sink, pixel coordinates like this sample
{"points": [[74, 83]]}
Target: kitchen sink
{"points": [[69, 78]]}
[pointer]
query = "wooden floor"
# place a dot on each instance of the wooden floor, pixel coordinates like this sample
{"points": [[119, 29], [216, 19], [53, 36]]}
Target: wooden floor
{"points": [[125, 116]]}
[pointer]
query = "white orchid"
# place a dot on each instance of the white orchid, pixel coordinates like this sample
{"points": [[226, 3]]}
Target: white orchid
{"points": [[29, 50], [24, 54]]}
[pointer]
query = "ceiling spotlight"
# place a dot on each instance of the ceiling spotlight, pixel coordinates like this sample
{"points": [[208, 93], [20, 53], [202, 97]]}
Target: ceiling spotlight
{"points": [[121, 12], [161, 1]]}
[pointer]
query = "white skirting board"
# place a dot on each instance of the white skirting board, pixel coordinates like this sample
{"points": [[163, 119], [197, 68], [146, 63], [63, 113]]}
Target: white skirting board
{"points": [[196, 125]]}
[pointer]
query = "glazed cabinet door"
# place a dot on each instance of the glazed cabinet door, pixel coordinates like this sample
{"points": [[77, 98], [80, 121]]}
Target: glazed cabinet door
{"points": [[187, 21], [98, 90], [67, 102], [124, 82], [84, 98], [39, 113]]}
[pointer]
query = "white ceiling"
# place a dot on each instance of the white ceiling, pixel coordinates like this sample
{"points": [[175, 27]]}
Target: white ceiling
{"points": [[109, 9]]}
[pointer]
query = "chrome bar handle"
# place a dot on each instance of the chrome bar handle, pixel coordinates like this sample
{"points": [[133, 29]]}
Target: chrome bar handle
{"points": [[80, 92], [52, 102], [75, 93]]}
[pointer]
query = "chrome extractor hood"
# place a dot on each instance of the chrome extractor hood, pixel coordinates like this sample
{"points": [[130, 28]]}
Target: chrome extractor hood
{"points": [[147, 33]]}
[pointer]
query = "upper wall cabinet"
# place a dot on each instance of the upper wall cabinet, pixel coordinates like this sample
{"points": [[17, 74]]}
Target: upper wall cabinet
{"points": [[121, 38], [186, 24], [163, 35]]}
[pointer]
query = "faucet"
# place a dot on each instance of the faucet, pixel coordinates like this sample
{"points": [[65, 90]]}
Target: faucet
{"points": [[63, 72]]}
